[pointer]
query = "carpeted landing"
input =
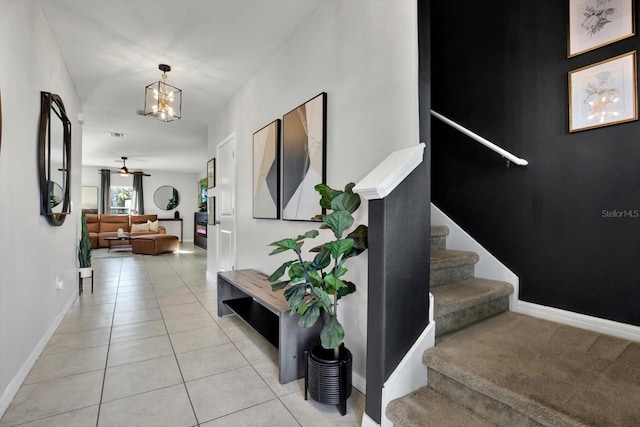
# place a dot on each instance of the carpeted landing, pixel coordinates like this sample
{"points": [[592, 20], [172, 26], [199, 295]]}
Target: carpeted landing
{"points": [[515, 370]]}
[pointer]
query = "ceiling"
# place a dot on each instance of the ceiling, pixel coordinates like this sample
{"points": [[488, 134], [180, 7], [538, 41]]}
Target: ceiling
{"points": [[112, 49]]}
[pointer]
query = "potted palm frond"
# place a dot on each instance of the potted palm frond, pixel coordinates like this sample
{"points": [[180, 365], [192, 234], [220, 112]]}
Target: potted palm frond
{"points": [[313, 289], [84, 249]]}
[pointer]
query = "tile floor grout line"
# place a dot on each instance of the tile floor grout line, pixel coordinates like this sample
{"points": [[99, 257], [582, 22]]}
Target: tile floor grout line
{"points": [[256, 371], [106, 361], [175, 356], [50, 416], [204, 293]]}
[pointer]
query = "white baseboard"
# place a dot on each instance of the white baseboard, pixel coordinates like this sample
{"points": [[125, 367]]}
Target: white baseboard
{"points": [[411, 373], [14, 386], [595, 324]]}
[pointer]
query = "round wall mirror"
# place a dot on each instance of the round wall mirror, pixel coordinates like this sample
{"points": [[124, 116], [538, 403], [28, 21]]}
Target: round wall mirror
{"points": [[166, 198], [54, 158], [56, 194]]}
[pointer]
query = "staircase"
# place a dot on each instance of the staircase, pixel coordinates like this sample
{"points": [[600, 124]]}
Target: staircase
{"points": [[493, 367], [460, 298]]}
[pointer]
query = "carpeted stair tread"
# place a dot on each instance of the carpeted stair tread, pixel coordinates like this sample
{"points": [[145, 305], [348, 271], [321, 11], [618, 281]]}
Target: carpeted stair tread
{"points": [[457, 296], [426, 407], [438, 236], [548, 373], [439, 231], [451, 266], [450, 259]]}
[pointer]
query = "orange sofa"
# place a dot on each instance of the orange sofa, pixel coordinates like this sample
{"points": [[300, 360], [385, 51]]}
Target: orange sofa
{"points": [[101, 226]]}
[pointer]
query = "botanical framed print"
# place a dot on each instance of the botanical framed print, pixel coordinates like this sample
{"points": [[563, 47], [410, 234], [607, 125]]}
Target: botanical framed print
{"points": [[596, 23], [211, 173], [303, 158], [603, 94], [266, 171]]}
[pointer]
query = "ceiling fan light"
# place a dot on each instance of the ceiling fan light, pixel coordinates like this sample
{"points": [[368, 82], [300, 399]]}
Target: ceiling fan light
{"points": [[162, 100]]}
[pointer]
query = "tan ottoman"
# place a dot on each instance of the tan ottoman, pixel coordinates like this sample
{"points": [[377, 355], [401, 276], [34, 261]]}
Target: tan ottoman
{"points": [[154, 244]]}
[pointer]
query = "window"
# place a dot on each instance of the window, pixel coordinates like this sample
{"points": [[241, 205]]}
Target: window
{"points": [[121, 199]]}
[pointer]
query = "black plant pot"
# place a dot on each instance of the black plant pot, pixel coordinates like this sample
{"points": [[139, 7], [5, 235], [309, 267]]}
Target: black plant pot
{"points": [[328, 380]]}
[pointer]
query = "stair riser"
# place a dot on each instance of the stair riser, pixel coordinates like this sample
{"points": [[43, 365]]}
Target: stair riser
{"points": [[461, 319], [483, 405], [452, 274], [438, 243]]}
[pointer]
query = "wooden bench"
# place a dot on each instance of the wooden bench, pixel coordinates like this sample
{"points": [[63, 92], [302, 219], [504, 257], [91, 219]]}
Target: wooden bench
{"points": [[248, 294]]}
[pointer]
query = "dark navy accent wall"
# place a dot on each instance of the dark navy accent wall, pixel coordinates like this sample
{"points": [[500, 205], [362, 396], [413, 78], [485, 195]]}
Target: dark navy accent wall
{"points": [[568, 224], [399, 250], [398, 288]]}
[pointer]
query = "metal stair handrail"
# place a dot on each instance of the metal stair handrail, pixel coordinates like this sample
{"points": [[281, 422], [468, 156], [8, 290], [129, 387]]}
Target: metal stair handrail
{"points": [[511, 158]]}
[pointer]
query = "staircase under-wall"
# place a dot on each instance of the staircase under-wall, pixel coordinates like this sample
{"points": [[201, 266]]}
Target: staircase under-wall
{"points": [[493, 367]]}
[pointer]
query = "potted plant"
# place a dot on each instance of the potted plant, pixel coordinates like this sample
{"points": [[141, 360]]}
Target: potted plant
{"points": [[84, 249], [315, 287]]}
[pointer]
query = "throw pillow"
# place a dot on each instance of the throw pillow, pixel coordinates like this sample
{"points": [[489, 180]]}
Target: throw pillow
{"points": [[139, 227], [153, 226]]}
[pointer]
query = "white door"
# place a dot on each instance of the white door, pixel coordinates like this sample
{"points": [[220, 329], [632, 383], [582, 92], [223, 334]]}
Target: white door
{"points": [[226, 203]]}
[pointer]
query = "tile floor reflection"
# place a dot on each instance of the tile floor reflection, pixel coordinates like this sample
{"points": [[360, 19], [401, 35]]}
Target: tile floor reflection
{"points": [[148, 349]]}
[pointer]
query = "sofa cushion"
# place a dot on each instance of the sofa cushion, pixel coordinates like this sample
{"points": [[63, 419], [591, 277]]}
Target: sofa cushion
{"points": [[144, 227], [140, 219], [153, 226], [161, 230], [94, 240], [93, 225], [113, 222]]}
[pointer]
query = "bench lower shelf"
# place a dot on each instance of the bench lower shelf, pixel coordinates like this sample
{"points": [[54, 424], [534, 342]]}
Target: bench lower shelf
{"points": [[256, 316], [248, 294]]}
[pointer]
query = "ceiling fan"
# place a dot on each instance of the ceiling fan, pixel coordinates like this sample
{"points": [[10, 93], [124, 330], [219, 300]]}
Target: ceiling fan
{"points": [[123, 171]]}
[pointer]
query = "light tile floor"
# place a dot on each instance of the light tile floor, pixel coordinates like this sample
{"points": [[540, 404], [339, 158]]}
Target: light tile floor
{"points": [[148, 349]]}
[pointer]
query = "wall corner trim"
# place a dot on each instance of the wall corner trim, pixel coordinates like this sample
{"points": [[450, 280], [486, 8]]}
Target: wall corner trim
{"points": [[385, 177]]}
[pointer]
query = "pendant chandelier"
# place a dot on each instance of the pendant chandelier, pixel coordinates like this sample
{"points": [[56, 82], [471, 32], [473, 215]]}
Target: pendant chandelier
{"points": [[161, 100]]}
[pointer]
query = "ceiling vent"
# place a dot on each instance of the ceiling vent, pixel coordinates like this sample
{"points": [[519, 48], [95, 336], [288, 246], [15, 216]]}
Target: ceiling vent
{"points": [[117, 134]]}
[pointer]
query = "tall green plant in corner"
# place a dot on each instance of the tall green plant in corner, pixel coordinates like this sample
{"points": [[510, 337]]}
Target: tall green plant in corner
{"points": [[84, 247], [317, 285]]}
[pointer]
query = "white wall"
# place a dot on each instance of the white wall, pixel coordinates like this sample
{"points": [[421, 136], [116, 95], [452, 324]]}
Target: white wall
{"points": [[32, 252], [186, 184], [364, 55]]}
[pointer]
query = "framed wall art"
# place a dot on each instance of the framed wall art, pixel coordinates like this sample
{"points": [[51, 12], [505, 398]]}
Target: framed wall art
{"points": [[211, 211], [303, 158], [266, 171], [211, 173], [596, 23], [603, 94]]}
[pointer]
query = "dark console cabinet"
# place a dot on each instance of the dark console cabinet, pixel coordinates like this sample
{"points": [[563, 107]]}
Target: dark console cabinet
{"points": [[200, 229]]}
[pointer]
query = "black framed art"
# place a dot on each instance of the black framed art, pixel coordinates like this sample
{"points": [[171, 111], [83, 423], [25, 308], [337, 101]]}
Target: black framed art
{"points": [[266, 172], [303, 159], [211, 211], [211, 173]]}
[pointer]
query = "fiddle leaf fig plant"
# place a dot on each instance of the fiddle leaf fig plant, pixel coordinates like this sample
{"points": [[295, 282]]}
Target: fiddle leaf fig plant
{"points": [[317, 285]]}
